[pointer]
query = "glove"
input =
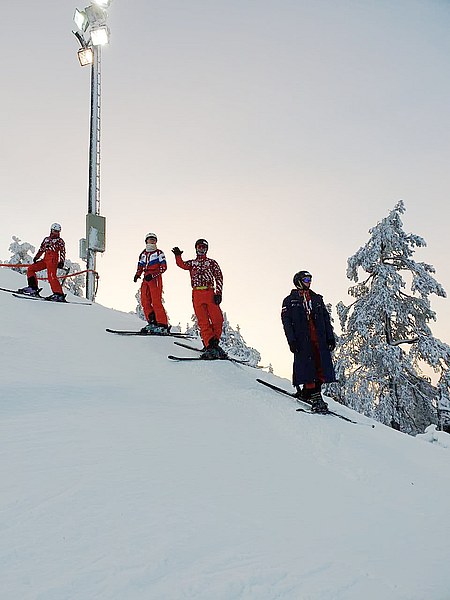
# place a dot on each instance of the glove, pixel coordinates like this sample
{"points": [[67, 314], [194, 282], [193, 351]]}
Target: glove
{"points": [[293, 347], [331, 346], [135, 278], [177, 251], [148, 277], [61, 264], [217, 299], [35, 259]]}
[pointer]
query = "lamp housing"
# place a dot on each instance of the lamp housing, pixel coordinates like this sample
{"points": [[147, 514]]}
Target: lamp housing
{"points": [[85, 56], [81, 20], [95, 15], [102, 3], [100, 35]]}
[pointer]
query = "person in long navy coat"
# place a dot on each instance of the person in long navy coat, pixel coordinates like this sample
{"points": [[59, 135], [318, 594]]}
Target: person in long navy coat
{"points": [[310, 336]]}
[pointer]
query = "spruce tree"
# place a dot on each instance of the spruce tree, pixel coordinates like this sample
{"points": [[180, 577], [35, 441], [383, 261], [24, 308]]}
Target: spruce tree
{"points": [[386, 340], [74, 284], [22, 254]]}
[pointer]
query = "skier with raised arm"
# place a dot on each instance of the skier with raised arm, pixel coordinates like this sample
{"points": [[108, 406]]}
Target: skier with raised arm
{"points": [[207, 284]]}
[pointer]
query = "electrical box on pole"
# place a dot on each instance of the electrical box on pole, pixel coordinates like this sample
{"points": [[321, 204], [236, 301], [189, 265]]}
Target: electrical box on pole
{"points": [[83, 249], [95, 232]]}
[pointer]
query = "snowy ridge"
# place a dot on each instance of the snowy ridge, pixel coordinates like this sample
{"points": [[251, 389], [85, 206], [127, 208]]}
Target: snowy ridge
{"points": [[125, 476]]}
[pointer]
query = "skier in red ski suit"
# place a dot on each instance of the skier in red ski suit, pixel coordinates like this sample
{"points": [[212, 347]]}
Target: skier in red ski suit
{"points": [[207, 283], [54, 250], [152, 262]]}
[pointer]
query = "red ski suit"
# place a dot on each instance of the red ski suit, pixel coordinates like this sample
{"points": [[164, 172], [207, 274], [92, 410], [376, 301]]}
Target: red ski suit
{"points": [[54, 251], [152, 263], [206, 280]]}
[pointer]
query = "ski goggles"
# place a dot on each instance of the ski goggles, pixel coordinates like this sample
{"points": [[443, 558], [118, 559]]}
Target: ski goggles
{"points": [[307, 279]]}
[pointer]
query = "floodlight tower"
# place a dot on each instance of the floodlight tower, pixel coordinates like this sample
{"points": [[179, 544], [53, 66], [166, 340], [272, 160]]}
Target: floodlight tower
{"points": [[93, 33]]}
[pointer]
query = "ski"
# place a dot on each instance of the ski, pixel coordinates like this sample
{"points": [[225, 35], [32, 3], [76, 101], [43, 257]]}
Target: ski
{"points": [[310, 412], [146, 334], [46, 299], [188, 347], [188, 358], [237, 360], [13, 291]]}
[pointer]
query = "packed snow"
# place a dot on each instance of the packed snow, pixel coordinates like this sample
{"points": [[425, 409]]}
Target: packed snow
{"points": [[126, 476]]}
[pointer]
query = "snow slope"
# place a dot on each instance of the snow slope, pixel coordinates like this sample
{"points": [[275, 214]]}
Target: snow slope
{"points": [[125, 476]]}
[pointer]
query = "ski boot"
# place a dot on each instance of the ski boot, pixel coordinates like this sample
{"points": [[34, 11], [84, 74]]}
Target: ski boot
{"points": [[56, 298], [155, 329], [318, 404], [214, 351], [303, 394], [160, 329], [209, 354], [29, 291]]}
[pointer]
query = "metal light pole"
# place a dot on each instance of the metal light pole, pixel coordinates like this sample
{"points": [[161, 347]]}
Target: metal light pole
{"points": [[93, 33], [94, 167]]}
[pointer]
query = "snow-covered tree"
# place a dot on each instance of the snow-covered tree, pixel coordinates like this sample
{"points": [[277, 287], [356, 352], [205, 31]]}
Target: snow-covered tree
{"points": [[20, 254], [234, 344], [74, 284], [193, 330], [139, 311], [386, 340]]}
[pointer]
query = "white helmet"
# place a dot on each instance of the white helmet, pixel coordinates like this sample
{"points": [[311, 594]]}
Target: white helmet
{"points": [[151, 235], [55, 227]]}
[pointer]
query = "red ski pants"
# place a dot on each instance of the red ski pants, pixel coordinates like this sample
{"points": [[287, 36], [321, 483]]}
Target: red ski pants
{"points": [[49, 262], [208, 313], [151, 300], [316, 356]]}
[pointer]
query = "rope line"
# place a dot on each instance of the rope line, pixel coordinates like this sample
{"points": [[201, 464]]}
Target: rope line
{"points": [[25, 265]]}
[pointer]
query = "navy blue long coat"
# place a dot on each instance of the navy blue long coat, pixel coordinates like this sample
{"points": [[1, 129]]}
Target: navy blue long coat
{"points": [[296, 328]]}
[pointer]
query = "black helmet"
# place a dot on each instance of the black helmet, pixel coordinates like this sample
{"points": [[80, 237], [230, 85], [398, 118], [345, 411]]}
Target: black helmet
{"points": [[299, 276], [201, 242]]}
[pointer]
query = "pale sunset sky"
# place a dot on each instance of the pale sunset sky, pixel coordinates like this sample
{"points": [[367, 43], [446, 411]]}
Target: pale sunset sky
{"points": [[279, 130]]}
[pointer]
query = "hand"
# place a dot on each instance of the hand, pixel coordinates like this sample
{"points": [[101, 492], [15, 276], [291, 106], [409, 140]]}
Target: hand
{"points": [[177, 251], [136, 277], [293, 347], [331, 346], [217, 299], [148, 277], [61, 264]]}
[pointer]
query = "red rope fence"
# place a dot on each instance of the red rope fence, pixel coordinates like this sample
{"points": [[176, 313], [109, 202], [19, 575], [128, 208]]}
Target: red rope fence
{"points": [[24, 266]]}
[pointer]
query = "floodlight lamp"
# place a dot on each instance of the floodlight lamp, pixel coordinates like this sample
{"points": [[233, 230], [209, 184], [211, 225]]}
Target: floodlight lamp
{"points": [[95, 15], [100, 35], [81, 20], [102, 3], [85, 56]]}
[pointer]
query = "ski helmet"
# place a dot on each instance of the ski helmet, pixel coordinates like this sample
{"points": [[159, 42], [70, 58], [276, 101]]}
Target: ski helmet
{"points": [[55, 227], [151, 235], [300, 276], [201, 242]]}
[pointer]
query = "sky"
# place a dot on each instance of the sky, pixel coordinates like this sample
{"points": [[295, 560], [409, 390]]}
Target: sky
{"points": [[145, 479], [280, 131]]}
